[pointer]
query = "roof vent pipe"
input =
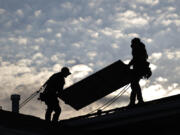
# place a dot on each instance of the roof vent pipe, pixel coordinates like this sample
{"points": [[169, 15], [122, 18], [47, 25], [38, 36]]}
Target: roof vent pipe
{"points": [[15, 102]]}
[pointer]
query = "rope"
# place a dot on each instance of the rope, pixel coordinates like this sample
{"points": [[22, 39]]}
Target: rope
{"points": [[30, 97], [112, 100], [116, 97]]}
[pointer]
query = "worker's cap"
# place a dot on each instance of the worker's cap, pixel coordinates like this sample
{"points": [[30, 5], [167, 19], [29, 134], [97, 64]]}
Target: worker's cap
{"points": [[65, 70]]}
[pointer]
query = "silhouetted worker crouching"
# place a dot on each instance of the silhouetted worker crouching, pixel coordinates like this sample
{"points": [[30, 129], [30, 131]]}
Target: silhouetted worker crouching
{"points": [[140, 69], [53, 89]]}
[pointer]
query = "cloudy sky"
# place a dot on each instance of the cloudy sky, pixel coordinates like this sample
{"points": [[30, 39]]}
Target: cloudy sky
{"points": [[38, 37]]}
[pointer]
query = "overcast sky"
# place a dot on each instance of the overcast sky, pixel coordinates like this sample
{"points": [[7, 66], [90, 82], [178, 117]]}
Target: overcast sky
{"points": [[38, 37]]}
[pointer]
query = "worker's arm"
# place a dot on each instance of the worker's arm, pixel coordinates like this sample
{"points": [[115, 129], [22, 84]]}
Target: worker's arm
{"points": [[48, 82], [60, 89], [59, 93], [44, 85]]}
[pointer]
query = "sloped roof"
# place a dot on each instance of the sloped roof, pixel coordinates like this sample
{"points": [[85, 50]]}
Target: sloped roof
{"points": [[161, 115], [157, 116]]}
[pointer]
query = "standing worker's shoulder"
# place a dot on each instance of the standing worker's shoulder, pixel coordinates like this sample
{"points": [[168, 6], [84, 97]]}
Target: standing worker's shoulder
{"points": [[54, 76], [58, 75]]}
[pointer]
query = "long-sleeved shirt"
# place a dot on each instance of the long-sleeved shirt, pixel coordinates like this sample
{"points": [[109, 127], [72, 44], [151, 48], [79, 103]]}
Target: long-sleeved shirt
{"points": [[139, 54], [55, 84]]}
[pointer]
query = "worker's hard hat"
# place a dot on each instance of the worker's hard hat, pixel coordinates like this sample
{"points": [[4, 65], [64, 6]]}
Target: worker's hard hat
{"points": [[135, 40], [65, 70]]}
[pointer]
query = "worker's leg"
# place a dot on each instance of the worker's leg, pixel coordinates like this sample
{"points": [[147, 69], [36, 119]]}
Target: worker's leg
{"points": [[137, 89], [48, 113], [139, 93], [57, 110], [133, 94]]}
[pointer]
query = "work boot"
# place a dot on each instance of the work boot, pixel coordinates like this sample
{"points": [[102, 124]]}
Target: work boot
{"points": [[56, 117], [131, 104], [141, 102]]}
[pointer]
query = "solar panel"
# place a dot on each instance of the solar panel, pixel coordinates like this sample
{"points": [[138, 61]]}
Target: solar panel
{"points": [[97, 85]]}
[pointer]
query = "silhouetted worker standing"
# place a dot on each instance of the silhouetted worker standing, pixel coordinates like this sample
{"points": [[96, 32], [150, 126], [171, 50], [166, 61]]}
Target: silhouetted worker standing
{"points": [[53, 89], [140, 69]]}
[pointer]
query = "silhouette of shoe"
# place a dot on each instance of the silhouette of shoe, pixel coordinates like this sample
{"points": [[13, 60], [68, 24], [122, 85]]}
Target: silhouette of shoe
{"points": [[131, 104], [140, 102]]}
